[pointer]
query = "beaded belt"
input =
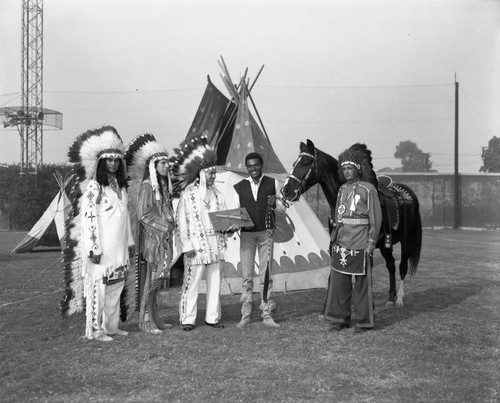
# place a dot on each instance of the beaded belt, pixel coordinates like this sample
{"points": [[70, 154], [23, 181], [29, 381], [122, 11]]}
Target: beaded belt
{"points": [[355, 221]]}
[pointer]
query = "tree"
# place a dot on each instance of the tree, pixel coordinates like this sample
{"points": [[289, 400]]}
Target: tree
{"points": [[412, 157], [491, 156], [24, 198]]}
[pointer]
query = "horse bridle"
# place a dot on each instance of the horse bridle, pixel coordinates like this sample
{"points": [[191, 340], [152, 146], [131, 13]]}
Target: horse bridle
{"points": [[302, 182]]}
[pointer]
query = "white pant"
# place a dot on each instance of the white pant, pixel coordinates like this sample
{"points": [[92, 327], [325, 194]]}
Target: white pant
{"points": [[106, 309], [188, 305]]}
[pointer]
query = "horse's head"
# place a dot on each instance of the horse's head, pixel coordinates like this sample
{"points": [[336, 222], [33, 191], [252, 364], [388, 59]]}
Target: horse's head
{"points": [[304, 173]]}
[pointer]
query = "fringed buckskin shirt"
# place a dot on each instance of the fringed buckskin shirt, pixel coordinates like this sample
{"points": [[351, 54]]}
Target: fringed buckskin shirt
{"points": [[194, 228], [156, 218], [105, 231]]}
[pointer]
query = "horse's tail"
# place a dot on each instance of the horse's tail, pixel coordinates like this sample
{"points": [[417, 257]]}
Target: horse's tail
{"points": [[414, 239]]}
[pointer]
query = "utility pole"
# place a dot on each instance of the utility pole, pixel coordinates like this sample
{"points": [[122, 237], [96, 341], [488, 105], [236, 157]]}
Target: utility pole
{"points": [[457, 205]]}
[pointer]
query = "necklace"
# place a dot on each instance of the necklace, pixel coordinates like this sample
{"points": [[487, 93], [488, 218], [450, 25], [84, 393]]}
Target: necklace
{"points": [[207, 201], [113, 184], [343, 201]]}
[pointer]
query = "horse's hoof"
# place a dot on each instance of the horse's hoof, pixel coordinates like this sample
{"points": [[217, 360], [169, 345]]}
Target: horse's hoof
{"points": [[399, 305], [389, 303]]}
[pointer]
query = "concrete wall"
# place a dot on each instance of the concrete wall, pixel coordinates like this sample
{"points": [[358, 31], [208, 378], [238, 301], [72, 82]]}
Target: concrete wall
{"points": [[479, 199]]}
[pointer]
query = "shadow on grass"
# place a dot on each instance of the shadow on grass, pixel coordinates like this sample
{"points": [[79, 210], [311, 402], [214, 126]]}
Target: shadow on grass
{"points": [[431, 300], [307, 305]]}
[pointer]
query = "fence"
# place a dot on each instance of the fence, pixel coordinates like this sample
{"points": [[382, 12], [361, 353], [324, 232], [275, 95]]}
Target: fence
{"points": [[479, 199]]}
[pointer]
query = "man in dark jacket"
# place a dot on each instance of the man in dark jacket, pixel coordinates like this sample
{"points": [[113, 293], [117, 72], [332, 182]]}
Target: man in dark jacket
{"points": [[256, 193]]}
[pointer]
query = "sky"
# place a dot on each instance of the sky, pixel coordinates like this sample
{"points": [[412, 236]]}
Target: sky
{"points": [[335, 71]]}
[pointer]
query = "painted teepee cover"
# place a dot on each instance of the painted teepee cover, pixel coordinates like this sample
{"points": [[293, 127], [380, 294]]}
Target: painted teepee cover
{"points": [[247, 137]]}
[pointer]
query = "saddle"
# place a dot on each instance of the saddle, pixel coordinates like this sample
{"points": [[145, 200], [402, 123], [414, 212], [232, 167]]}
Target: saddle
{"points": [[391, 197]]}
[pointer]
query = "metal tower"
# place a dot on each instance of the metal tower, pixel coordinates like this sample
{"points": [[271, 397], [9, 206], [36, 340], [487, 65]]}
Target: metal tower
{"points": [[31, 127], [30, 117]]}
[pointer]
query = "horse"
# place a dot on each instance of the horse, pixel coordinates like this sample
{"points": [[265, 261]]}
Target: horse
{"points": [[314, 166]]}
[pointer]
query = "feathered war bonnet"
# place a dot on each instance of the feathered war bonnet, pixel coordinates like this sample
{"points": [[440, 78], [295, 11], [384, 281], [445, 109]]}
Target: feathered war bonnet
{"points": [[192, 158], [359, 157], [141, 156], [92, 146]]}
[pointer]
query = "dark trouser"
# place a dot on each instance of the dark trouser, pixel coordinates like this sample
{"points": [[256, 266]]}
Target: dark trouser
{"points": [[340, 293]]}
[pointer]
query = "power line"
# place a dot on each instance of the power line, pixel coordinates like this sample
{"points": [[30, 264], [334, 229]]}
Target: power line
{"points": [[136, 91], [358, 86], [477, 112]]}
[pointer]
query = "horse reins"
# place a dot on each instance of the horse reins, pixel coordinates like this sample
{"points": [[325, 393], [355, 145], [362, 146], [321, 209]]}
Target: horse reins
{"points": [[302, 182]]}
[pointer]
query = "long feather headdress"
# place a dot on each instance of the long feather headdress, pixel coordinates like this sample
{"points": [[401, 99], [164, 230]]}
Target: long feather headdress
{"points": [[140, 157], [92, 145], [193, 157]]}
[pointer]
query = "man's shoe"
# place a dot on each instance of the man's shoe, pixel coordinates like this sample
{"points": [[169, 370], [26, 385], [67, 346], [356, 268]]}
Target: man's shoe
{"points": [[103, 337], [337, 327], [243, 322], [187, 328], [164, 326], [149, 327], [361, 329], [120, 332], [270, 323], [215, 325]]}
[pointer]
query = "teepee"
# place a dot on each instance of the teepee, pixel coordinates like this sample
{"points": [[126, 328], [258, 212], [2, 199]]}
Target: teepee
{"points": [[49, 229], [300, 259]]}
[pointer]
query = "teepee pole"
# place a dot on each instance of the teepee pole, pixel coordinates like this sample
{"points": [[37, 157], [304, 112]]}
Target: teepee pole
{"points": [[258, 116], [226, 71], [226, 79], [255, 80], [229, 86]]}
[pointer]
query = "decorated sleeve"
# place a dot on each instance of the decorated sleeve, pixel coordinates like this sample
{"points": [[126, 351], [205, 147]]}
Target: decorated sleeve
{"points": [[148, 215], [374, 214], [277, 187], [90, 230], [182, 220], [222, 206], [130, 236]]}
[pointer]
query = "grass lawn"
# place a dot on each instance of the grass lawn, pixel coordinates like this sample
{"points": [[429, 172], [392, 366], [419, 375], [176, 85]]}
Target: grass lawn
{"points": [[443, 346]]}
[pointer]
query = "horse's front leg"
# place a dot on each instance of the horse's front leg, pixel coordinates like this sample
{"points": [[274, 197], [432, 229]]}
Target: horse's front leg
{"points": [[390, 263]]}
